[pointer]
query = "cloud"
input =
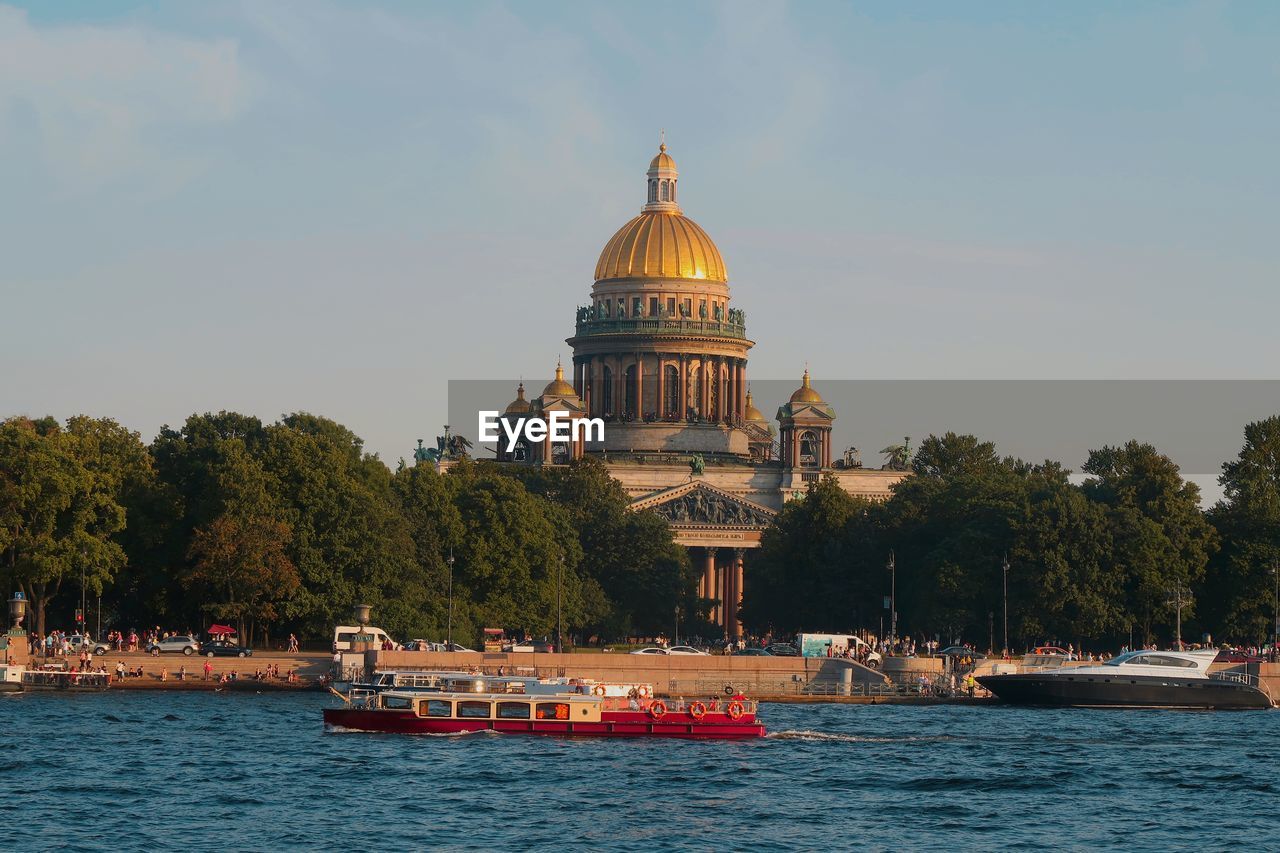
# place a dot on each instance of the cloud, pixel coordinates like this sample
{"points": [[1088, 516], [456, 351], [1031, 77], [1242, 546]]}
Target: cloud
{"points": [[89, 103]]}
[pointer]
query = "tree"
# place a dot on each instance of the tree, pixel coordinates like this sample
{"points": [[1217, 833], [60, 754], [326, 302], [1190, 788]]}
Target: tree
{"points": [[242, 562], [58, 507], [1161, 541], [1238, 588]]}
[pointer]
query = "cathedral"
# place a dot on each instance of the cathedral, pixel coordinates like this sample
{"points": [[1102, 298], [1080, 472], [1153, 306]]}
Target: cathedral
{"points": [[660, 356]]}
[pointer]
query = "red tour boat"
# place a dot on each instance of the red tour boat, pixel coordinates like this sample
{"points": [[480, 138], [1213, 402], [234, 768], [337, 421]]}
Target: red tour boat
{"points": [[573, 714]]}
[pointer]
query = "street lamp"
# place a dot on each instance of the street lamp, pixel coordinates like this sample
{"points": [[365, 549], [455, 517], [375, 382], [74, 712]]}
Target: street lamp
{"points": [[1005, 566], [84, 623], [1275, 636], [559, 593], [448, 644], [893, 600]]}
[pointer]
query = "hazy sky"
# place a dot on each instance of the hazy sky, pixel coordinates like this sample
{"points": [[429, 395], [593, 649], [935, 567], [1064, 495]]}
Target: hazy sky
{"points": [[272, 207]]}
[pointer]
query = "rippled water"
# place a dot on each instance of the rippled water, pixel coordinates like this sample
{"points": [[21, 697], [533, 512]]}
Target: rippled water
{"points": [[197, 771]]}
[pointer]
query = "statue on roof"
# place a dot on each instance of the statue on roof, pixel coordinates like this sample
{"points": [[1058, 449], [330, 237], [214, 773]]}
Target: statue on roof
{"points": [[898, 455], [697, 465]]}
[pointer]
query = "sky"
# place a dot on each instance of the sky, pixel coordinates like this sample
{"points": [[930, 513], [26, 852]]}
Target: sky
{"points": [[338, 207]]}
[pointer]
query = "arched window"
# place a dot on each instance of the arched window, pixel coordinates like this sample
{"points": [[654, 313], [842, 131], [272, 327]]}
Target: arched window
{"points": [[671, 382], [559, 453], [810, 449], [521, 452], [653, 190], [666, 191]]}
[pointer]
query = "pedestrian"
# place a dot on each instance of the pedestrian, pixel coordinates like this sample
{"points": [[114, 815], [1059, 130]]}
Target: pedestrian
{"points": [[293, 643], [208, 669]]}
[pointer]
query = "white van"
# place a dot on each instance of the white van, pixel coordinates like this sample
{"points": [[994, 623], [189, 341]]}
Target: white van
{"points": [[344, 634], [829, 645]]}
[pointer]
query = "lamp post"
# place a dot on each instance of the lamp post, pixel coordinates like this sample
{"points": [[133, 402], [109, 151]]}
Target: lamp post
{"points": [[1275, 635], [559, 593], [893, 600], [448, 643], [1005, 566], [84, 623]]}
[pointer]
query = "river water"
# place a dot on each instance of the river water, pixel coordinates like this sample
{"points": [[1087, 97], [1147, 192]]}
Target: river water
{"points": [[221, 771]]}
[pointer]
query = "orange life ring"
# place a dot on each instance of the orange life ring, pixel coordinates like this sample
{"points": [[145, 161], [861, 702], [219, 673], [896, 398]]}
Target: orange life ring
{"points": [[642, 691], [697, 710], [598, 690], [657, 709], [736, 710]]}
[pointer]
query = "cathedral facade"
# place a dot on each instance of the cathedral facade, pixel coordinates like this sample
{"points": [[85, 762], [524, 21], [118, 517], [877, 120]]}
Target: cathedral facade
{"points": [[660, 355]]}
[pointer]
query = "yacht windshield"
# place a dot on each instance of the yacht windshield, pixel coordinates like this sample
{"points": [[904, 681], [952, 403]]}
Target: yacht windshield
{"points": [[1124, 658]]}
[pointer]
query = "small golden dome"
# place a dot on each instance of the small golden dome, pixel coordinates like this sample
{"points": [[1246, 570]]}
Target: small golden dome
{"points": [[753, 414], [661, 245], [558, 387], [805, 393], [662, 160], [519, 406]]}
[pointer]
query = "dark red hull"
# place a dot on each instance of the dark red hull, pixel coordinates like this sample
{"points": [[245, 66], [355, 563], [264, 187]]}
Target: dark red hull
{"points": [[713, 726]]}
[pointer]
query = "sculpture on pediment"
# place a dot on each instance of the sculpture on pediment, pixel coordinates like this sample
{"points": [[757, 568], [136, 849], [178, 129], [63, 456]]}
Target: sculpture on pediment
{"points": [[700, 507], [697, 465], [898, 456]]}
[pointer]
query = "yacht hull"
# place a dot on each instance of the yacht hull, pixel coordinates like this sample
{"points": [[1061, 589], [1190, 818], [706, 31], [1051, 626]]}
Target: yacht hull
{"points": [[1129, 691]]}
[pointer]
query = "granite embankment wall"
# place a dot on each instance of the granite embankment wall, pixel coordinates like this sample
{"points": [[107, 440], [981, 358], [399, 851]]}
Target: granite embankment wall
{"points": [[669, 674]]}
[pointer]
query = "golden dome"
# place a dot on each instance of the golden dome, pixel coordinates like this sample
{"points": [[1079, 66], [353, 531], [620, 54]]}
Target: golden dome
{"points": [[805, 393], [662, 160], [558, 387], [661, 245], [752, 413], [519, 406]]}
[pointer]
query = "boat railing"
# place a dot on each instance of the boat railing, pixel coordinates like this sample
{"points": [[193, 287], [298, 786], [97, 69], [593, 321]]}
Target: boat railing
{"points": [[65, 678], [1237, 677]]}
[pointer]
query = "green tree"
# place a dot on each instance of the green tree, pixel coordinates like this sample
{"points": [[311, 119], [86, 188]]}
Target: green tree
{"points": [[58, 507], [1160, 538], [1238, 592]]}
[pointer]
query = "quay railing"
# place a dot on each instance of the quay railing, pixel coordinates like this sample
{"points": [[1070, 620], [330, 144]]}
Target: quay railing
{"points": [[63, 679]]}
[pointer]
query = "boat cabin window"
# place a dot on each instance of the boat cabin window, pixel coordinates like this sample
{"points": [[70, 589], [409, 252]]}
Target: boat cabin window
{"points": [[552, 711], [472, 708], [513, 710], [435, 708], [397, 703], [1164, 660]]}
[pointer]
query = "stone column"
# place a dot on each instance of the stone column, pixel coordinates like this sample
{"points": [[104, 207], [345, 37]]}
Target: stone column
{"points": [[721, 396], [742, 389], [639, 409], [619, 386], [661, 408], [684, 388], [738, 555], [704, 404], [709, 579]]}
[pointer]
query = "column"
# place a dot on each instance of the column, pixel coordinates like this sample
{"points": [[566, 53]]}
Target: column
{"points": [[738, 555], [704, 404], [619, 386], [709, 578], [639, 409], [742, 389], [731, 404], [684, 388], [661, 408]]}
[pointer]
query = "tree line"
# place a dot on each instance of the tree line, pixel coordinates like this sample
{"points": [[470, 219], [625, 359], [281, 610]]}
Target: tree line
{"points": [[283, 527], [1108, 560]]}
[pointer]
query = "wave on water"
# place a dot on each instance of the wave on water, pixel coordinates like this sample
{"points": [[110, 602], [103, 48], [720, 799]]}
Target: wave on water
{"points": [[333, 728], [809, 735]]}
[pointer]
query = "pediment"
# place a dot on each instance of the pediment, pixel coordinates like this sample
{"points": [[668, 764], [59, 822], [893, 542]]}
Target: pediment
{"points": [[698, 503]]}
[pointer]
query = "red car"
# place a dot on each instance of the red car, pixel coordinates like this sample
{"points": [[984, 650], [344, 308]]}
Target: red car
{"points": [[1233, 656]]}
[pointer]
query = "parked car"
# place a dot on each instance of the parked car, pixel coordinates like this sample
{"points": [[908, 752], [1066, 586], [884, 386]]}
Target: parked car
{"points": [[533, 646], [225, 649], [77, 641], [684, 650], [753, 653], [962, 652], [180, 643], [783, 650], [650, 650]]}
